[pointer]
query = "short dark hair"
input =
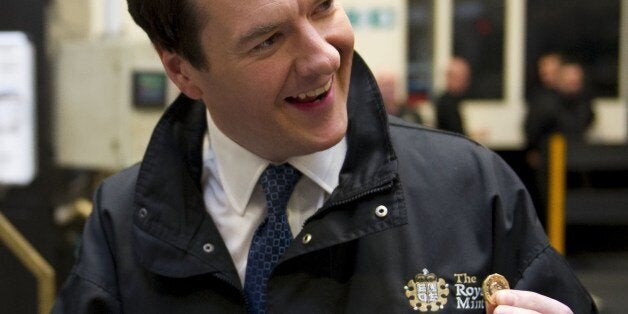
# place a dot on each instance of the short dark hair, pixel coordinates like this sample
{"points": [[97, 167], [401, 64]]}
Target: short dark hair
{"points": [[172, 25]]}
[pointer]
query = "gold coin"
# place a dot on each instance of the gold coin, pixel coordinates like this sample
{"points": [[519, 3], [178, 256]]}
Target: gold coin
{"points": [[492, 284]]}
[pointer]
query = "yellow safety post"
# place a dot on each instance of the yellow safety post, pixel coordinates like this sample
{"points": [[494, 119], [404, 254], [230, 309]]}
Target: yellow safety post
{"points": [[556, 192], [33, 261]]}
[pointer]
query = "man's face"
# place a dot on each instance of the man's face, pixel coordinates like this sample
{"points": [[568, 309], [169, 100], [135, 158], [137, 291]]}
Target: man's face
{"points": [[458, 77], [549, 68], [278, 73], [571, 79]]}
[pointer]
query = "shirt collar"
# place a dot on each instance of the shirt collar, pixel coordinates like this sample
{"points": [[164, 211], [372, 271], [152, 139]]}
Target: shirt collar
{"points": [[239, 169]]}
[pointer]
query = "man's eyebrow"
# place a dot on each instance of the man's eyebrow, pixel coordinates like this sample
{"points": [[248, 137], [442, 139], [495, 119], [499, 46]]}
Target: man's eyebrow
{"points": [[257, 31]]}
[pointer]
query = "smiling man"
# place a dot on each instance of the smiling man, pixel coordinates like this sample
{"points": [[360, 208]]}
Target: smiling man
{"points": [[276, 78], [277, 184]]}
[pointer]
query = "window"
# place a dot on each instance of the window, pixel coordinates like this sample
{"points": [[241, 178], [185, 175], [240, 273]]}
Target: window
{"points": [[584, 30], [479, 38], [420, 46]]}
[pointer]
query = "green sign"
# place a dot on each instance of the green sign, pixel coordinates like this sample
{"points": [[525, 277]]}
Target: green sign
{"points": [[372, 18]]}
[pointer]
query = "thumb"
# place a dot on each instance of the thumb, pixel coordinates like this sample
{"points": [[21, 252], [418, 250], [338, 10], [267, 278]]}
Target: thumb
{"points": [[489, 307]]}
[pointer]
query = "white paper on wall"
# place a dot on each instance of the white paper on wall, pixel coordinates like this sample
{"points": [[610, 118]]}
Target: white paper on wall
{"points": [[17, 109]]}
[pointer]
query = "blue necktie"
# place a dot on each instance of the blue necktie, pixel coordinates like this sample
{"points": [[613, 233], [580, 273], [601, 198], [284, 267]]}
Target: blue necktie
{"points": [[272, 237]]}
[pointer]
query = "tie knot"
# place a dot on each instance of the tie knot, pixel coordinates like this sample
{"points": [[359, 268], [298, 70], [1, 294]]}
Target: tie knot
{"points": [[278, 183]]}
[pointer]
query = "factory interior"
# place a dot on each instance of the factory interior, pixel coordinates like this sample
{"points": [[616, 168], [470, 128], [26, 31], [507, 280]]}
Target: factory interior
{"points": [[81, 89]]}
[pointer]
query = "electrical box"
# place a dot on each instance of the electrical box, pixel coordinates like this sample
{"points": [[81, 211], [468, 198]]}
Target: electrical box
{"points": [[109, 95]]}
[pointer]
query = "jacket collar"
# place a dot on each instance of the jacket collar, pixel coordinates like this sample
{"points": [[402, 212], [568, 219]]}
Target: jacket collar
{"points": [[174, 227], [370, 157]]}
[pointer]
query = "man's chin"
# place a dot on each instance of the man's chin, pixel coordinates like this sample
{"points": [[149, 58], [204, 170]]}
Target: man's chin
{"points": [[328, 141]]}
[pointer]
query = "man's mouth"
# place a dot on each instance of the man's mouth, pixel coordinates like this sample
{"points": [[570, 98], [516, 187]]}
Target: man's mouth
{"points": [[311, 96]]}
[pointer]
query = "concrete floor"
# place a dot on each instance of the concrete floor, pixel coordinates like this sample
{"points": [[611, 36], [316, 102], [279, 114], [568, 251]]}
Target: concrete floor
{"points": [[599, 256], [605, 275]]}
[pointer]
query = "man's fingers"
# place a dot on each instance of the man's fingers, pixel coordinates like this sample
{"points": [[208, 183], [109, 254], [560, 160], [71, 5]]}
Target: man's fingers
{"points": [[530, 301], [489, 308], [507, 309]]}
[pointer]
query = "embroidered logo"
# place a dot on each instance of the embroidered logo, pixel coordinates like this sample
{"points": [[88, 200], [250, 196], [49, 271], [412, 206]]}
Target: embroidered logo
{"points": [[426, 292], [467, 292]]}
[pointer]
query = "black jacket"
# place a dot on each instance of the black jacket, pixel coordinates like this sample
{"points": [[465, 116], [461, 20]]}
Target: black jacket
{"points": [[452, 213], [550, 112], [448, 115]]}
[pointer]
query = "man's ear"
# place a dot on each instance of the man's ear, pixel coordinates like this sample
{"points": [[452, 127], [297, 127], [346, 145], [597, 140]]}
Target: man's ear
{"points": [[180, 71]]}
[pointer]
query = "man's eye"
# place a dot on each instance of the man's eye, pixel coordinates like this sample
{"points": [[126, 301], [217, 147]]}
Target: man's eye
{"points": [[268, 43], [324, 6]]}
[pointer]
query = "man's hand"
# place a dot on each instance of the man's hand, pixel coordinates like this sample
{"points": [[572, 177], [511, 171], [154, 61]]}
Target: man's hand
{"points": [[525, 302]]}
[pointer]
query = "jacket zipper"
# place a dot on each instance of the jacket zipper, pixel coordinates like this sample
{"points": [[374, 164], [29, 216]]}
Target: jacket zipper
{"points": [[386, 186], [242, 294]]}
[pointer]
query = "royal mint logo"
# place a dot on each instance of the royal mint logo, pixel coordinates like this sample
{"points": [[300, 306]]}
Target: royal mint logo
{"points": [[468, 292]]}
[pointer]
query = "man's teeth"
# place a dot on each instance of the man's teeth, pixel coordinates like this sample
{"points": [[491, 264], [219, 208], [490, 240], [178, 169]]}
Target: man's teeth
{"points": [[315, 93]]}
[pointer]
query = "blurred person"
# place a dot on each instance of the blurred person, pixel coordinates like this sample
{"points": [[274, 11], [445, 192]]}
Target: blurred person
{"points": [[387, 83], [576, 102], [563, 107], [548, 68], [276, 183], [447, 105], [544, 95]]}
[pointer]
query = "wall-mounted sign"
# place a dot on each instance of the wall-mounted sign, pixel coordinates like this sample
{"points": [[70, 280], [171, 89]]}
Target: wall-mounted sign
{"points": [[149, 89], [372, 18], [17, 109]]}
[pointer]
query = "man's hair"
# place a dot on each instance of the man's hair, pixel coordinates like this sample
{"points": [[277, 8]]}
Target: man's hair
{"points": [[172, 25]]}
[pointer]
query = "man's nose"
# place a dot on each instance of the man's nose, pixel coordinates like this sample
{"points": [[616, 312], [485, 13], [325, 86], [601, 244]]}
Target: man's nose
{"points": [[316, 56]]}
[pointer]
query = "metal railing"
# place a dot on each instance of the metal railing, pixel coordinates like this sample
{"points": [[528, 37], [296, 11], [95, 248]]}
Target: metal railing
{"points": [[33, 261]]}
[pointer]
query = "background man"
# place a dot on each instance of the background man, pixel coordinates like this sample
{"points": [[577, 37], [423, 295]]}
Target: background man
{"points": [[562, 106], [458, 80], [387, 83]]}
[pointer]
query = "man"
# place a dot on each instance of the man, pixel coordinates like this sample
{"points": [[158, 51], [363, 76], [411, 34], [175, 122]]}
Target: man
{"points": [[458, 79], [387, 84], [576, 115], [538, 127], [548, 67], [379, 213], [543, 97], [563, 107]]}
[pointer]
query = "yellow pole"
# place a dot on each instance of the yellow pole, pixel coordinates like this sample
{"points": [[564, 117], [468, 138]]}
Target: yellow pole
{"points": [[34, 262], [556, 192]]}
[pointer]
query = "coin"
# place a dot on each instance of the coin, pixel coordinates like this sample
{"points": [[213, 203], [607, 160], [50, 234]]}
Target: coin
{"points": [[492, 284]]}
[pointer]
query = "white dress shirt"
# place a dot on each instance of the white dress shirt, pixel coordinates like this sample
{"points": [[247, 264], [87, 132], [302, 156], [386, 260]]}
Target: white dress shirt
{"points": [[235, 199]]}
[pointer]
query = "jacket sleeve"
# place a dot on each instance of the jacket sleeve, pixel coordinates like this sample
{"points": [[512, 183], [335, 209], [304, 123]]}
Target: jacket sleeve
{"points": [[521, 250], [550, 275], [92, 285]]}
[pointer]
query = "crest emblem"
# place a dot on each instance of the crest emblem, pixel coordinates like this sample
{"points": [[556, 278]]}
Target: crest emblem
{"points": [[426, 292]]}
